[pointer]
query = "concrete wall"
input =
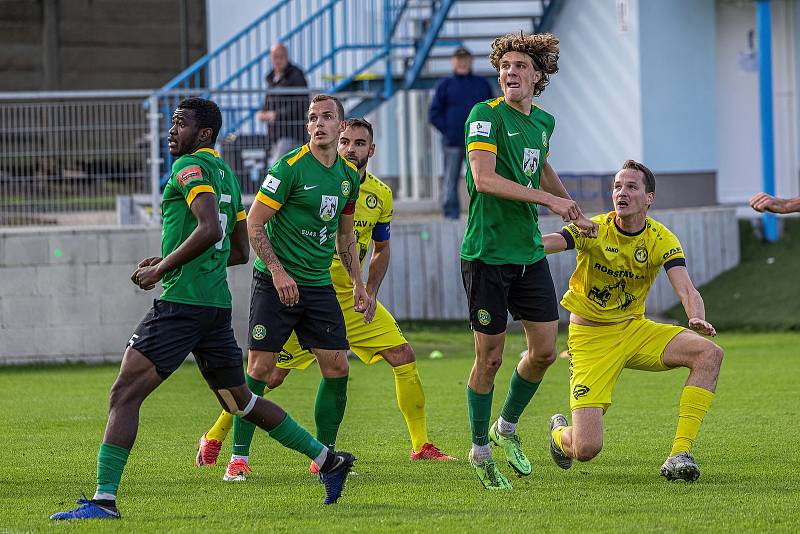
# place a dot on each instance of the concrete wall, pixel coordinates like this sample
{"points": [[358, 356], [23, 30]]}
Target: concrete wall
{"points": [[66, 295]]}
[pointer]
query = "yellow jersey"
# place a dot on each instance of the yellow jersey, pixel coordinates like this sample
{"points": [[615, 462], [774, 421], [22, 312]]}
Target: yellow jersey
{"points": [[373, 207], [614, 272]]}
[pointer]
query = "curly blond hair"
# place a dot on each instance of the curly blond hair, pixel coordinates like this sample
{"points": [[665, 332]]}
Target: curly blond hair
{"points": [[542, 48]]}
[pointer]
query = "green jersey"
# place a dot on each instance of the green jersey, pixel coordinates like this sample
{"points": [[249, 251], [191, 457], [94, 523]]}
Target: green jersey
{"points": [[501, 231], [309, 198], [203, 281]]}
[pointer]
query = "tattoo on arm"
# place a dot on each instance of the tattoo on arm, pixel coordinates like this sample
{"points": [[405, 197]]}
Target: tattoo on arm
{"points": [[262, 246]]}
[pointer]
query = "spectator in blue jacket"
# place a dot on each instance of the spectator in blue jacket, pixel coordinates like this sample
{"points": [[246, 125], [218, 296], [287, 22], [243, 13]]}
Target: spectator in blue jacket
{"points": [[452, 102]]}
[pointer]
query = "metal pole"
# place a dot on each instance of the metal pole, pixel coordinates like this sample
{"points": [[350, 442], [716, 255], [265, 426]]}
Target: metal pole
{"points": [[155, 159], [387, 49], [764, 30]]}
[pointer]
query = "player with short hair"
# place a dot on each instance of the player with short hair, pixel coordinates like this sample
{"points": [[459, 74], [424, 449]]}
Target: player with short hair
{"points": [[373, 335], [608, 331], [503, 264], [303, 212], [203, 232]]}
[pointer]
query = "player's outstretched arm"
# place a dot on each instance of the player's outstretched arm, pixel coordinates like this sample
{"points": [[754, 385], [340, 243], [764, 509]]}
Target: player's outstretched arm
{"points": [[552, 183], [208, 231], [240, 245], [348, 255], [691, 300], [554, 243], [257, 218], [763, 202]]}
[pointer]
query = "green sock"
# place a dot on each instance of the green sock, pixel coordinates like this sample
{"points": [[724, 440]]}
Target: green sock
{"points": [[480, 411], [111, 460], [291, 435], [520, 393], [329, 409], [243, 430]]}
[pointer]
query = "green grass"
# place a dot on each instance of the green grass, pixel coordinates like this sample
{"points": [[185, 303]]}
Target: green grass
{"points": [[762, 293], [52, 420]]}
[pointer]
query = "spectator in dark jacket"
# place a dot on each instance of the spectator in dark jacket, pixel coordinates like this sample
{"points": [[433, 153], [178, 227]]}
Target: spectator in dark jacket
{"points": [[285, 114], [452, 102]]}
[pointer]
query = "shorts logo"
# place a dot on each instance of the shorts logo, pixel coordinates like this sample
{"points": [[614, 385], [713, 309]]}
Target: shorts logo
{"points": [[579, 391], [133, 339], [372, 201], [530, 161], [327, 207], [483, 128], [188, 174], [346, 188], [640, 254], [271, 183], [284, 356], [259, 332], [484, 317]]}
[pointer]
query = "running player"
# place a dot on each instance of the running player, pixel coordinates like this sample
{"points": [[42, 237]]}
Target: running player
{"points": [[373, 335], [608, 331], [203, 232], [304, 209], [503, 265]]}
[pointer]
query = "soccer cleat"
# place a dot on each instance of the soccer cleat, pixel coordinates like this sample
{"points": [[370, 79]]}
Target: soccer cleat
{"points": [[511, 446], [334, 478], [88, 509], [313, 468], [237, 471], [681, 466], [430, 452], [208, 451], [562, 460], [490, 476]]}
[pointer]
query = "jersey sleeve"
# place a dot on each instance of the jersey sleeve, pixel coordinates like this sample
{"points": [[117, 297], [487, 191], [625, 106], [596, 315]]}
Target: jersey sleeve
{"points": [[573, 236], [480, 130], [277, 186], [190, 179], [352, 197], [387, 207], [669, 251], [241, 214]]}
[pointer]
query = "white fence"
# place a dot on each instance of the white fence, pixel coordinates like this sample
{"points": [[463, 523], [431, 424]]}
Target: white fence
{"points": [[66, 295]]}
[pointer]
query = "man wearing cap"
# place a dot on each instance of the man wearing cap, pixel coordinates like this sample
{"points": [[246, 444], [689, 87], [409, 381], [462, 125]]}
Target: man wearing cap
{"points": [[452, 102]]}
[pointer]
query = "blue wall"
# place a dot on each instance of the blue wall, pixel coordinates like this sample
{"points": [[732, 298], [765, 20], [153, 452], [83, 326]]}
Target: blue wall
{"points": [[678, 83]]}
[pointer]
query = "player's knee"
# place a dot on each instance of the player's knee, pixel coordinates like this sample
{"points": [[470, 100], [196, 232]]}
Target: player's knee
{"points": [[491, 363], [542, 359], [259, 368], [586, 450], [713, 356], [401, 355], [239, 401]]}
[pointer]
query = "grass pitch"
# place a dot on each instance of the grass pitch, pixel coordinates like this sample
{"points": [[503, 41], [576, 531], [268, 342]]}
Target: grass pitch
{"points": [[52, 420]]}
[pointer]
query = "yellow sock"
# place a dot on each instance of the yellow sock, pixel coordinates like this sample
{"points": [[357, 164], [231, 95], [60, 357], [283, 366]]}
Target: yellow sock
{"points": [[695, 402], [411, 401], [557, 433], [223, 425]]}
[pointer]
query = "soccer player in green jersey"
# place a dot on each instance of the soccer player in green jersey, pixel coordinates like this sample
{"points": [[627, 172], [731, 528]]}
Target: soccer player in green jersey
{"points": [[303, 212], [204, 231], [503, 263]]}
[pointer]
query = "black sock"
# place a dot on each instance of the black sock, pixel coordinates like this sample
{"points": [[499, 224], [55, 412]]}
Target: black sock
{"points": [[329, 463]]}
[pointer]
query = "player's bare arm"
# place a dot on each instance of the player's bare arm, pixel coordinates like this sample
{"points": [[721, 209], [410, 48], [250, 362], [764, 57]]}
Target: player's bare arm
{"points": [[554, 243], [763, 202], [691, 300], [208, 231], [348, 255], [552, 183], [378, 266], [257, 218], [240, 245]]}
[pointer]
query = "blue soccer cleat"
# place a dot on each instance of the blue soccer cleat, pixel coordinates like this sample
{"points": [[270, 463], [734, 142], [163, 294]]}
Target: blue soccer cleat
{"points": [[89, 509], [334, 479]]}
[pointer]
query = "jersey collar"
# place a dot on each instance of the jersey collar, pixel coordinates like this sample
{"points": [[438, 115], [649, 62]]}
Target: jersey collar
{"points": [[629, 234], [209, 150]]}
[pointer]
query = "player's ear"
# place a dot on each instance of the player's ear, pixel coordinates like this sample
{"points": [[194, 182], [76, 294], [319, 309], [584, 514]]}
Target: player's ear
{"points": [[205, 134], [651, 197], [371, 150]]}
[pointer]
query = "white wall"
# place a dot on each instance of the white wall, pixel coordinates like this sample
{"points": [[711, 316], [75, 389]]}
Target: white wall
{"points": [[224, 22]]}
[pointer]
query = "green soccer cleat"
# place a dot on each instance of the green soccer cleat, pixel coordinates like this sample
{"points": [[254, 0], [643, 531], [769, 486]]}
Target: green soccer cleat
{"points": [[490, 476], [511, 446], [680, 466], [562, 460]]}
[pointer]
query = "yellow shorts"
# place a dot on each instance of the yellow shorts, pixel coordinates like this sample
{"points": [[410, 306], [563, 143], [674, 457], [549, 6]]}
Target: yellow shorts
{"points": [[598, 354], [367, 341]]}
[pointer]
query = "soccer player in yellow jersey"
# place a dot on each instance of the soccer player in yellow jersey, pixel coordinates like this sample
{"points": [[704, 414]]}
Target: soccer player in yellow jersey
{"points": [[608, 331], [373, 335]]}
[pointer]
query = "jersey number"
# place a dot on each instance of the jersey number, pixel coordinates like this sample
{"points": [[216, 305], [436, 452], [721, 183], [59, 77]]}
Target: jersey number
{"points": [[223, 219]]}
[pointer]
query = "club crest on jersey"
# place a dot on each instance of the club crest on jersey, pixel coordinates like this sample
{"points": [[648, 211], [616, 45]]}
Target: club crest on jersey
{"points": [[188, 174], [346, 188], [372, 201], [530, 161], [640, 254], [327, 207]]}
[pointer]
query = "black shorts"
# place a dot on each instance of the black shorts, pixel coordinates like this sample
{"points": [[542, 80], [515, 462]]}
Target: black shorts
{"points": [[316, 319], [526, 291], [170, 331]]}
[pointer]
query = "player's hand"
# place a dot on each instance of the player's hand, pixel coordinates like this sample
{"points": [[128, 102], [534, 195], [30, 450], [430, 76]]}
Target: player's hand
{"points": [[147, 277], [702, 327], [369, 314], [566, 208], [763, 202], [288, 293], [361, 299], [152, 260], [587, 226]]}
